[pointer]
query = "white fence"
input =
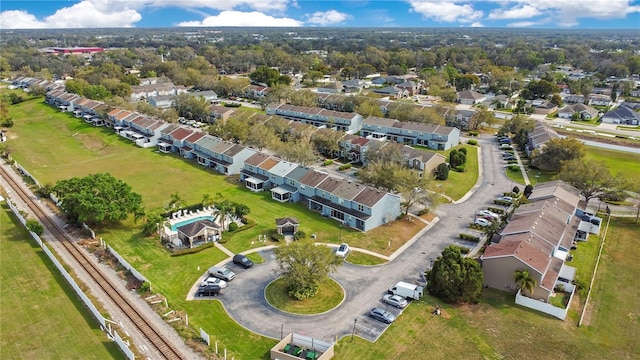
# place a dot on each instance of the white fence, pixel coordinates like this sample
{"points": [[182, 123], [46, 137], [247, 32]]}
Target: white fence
{"points": [[123, 345], [87, 302], [127, 266], [205, 337], [544, 307], [24, 172]]}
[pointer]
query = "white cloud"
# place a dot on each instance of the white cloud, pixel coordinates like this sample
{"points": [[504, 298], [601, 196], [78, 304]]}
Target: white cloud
{"points": [[328, 17], [477, 24], [522, 24], [566, 12], [523, 12], [239, 18], [447, 11], [85, 14], [258, 5]]}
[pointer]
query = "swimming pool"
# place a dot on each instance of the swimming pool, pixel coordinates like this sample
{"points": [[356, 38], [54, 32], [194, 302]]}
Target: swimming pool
{"points": [[175, 226]]}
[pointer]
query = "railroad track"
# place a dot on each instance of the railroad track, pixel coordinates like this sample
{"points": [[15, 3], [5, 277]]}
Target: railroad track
{"points": [[140, 322]]}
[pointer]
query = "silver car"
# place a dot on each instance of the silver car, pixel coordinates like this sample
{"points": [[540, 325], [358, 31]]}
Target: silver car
{"points": [[395, 300]]}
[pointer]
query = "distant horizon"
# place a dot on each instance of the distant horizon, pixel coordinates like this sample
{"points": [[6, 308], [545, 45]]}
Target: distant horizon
{"points": [[153, 14]]}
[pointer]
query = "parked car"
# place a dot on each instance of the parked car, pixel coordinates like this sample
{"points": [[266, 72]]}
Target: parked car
{"points": [[209, 290], [381, 315], [395, 300], [222, 273], [343, 250], [482, 222], [508, 199], [506, 147], [490, 214], [505, 141], [242, 261], [214, 281]]}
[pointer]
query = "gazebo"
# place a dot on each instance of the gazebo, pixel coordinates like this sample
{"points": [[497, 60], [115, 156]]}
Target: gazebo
{"points": [[287, 225], [199, 232]]}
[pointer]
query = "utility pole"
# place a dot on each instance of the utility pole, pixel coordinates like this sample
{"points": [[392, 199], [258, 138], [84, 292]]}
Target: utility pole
{"points": [[355, 321]]}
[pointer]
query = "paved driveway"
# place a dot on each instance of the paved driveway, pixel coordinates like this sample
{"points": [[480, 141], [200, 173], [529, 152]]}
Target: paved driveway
{"points": [[364, 286]]}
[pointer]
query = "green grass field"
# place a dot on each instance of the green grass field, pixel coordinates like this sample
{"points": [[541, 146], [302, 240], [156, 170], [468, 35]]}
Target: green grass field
{"points": [[624, 163], [40, 315], [330, 295], [459, 183]]}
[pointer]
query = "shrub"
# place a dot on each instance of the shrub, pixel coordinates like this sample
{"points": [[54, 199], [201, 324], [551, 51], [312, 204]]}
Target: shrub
{"points": [[463, 150], [472, 142], [473, 133], [345, 167], [327, 162], [299, 235], [496, 210], [232, 105], [423, 212], [528, 190], [469, 237], [144, 288], [515, 190], [461, 168], [501, 202], [233, 227], [275, 236], [442, 171], [513, 168], [35, 227]]}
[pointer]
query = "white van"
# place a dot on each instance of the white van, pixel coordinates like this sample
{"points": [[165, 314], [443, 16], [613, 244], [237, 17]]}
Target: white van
{"points": [[406, 290]]}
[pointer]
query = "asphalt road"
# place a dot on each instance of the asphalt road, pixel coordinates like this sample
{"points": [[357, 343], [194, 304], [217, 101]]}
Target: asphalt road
{"points": [[364, 285]]}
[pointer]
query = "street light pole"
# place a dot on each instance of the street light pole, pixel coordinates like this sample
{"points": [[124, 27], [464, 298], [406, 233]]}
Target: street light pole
{"points": [[355, 321], [281, 331]]}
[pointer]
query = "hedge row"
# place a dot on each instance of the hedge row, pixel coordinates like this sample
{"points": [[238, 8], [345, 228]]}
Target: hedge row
{"points": [[345, 167], [193, 250], [501, 202], [472, 142], [496, 210], [469, 237]]}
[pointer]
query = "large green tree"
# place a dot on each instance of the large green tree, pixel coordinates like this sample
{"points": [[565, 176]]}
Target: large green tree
{"points": [[593, 179], [303, 265], [96, 198], [455, 278], [550, 156]]}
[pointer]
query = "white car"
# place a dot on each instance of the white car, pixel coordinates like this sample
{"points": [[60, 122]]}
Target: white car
{"points": [[508, 199], [490, 214], [214, 281], [343, 250], [482, 222]]}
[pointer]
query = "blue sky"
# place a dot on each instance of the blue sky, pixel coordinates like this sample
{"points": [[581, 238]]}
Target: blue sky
{"points": [[571, 14]]}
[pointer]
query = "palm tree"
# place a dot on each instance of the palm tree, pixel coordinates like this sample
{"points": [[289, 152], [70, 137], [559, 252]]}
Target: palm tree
{"points": [[207, 200], [140, 214], [223, 208], [525, 281], [176, 200]]}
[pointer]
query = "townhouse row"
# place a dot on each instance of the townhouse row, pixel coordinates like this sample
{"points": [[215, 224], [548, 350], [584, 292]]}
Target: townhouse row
{"points": [[435, 137], [351, 203]]}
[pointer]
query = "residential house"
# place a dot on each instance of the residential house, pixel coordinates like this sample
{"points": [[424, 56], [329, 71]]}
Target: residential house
{"points": [[410, 133], [600, 100], [255, 91], [461, 119], [573, 99], [425, 162], [584, 112], [470, 97], [208, 95], [220, 112], [393, 92], [280, 188], [188, 144], [173, 141], [411, 87], [252, 175], [622, 115], [161, 101], [543, 107], [140, 92], [343, 121], [539, 136], [352, 86], [330, 88], [635, 93], [538, 238]]}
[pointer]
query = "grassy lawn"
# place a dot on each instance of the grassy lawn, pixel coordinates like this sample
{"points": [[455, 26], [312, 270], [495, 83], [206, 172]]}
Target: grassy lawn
{"points": [[537, 175], [624, 163], [330, 294], [41, 316], [458, 184], [359, 258], [584, 260], [516, 176]]}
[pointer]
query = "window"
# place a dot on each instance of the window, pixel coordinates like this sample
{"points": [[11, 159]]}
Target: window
{"points": [[337, 214], [360, 208]]}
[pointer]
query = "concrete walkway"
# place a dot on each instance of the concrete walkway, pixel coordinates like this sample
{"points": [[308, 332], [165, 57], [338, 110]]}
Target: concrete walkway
{"points": [[522, 169]]}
